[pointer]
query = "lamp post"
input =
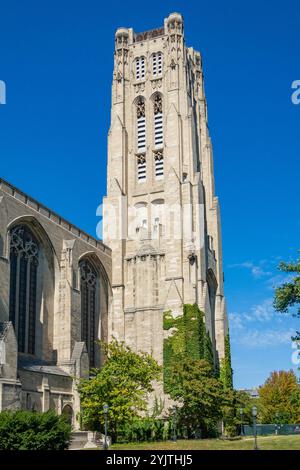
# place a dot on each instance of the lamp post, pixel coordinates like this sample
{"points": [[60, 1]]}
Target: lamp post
{"points": [[254, 414], [105, 411], [174, 414], [241, 413]]}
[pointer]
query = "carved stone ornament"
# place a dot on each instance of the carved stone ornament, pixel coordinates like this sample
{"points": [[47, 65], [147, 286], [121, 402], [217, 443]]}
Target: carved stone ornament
{"points": [[192, 258], [121, 40], [175, 26], [156, 83], [173, 64], [141, 158], [153, 33], [158, 155], [157, 104], [139, 87], [140, 108]]}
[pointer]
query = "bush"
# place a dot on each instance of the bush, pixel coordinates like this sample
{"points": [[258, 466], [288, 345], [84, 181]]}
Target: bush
{"points": [[27, 430], [143, 429], [151, 429]]}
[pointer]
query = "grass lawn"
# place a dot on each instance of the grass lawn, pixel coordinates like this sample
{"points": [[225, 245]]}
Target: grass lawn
{"points": [[264, 443]]}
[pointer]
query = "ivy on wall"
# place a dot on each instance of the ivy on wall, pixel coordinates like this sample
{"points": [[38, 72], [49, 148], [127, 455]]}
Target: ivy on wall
{"points": [[225, 366], [208, 354], [187, 336]]}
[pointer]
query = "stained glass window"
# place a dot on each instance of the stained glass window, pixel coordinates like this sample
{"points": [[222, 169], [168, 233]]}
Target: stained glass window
{"points": [[88, 286], [24, 252]]}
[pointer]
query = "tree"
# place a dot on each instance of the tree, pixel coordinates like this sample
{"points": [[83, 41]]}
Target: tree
{"points": [[234, 401], [280, 394], [123, 383], [198, 394], [288, 295]]}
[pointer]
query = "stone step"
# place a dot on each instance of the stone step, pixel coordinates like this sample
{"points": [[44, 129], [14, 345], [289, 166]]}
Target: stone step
{"points": [[78, 440]]}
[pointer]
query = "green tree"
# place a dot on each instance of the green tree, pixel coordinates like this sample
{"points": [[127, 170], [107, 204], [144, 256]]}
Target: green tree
{"points": [[280, 394], [199, 395], [288, 295], [123, 383], [233, 402]]}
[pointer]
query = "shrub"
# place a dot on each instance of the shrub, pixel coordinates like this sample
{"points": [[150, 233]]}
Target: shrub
{"points": [[27, 430], [144, 429]]}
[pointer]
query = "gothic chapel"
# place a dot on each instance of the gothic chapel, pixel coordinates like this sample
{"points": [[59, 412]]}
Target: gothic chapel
{"points": [[62, 290]]}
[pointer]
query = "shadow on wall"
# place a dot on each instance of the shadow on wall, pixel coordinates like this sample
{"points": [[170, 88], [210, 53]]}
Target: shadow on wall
{"points": [[3, 310], [1, 246]]}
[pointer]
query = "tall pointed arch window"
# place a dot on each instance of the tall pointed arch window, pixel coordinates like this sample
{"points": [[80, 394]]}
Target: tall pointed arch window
{"points": [[158, 137], [158, 122], [24, 257], [141, 125], [88, 287], [141, 141]]}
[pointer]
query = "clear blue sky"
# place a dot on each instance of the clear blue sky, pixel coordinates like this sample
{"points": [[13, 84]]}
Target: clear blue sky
{"points": [[56, 58]]}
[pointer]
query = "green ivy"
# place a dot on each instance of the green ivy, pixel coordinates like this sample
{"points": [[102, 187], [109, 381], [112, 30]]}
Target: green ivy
{"points": [[208, 354], [225, 366], [194, 331], [188, 338]]}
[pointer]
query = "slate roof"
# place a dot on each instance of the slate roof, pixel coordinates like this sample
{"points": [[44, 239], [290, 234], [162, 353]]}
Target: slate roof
{"points": [[34, 364]]}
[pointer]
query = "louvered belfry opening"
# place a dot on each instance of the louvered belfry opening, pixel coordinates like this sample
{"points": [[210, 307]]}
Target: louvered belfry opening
{"points": [[141, 140], [157, 64], [140, 68]]}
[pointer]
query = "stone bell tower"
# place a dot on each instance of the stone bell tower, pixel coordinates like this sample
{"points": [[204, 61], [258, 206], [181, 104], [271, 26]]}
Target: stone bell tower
{"points": [[161, 215]]}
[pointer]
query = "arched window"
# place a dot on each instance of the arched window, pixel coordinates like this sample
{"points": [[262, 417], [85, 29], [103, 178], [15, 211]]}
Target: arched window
{"points": [[141, 125], [158, 121], [141, 140], [157, 64], [88, 287], [67, 411], [24, 253], [140, 68], [158, 137]]}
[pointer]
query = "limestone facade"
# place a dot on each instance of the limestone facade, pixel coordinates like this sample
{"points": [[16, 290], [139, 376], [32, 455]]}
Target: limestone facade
{"points": [[55, 299], [161, 214]]}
